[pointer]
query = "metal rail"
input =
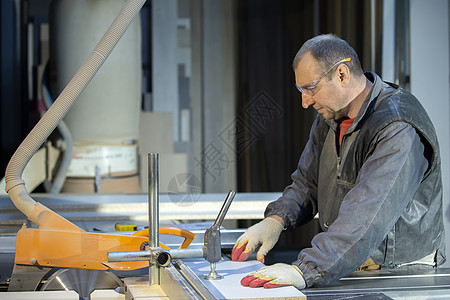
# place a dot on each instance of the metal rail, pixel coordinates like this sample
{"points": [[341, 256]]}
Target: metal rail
{"points": [[194, 281], [153, 213]]}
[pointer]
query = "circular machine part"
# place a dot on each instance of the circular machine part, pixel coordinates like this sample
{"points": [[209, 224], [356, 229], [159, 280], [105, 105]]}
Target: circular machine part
{"points": [[84, 282]]}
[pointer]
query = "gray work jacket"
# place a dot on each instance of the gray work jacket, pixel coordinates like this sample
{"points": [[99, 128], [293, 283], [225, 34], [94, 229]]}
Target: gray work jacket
{"points": [[378, 195]]}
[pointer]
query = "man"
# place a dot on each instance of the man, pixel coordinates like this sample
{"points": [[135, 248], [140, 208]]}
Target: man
{"points": [[371, 169]]}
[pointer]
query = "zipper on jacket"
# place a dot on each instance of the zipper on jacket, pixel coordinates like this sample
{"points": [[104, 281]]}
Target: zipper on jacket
{"points": [[339, 159], [338, 152]]}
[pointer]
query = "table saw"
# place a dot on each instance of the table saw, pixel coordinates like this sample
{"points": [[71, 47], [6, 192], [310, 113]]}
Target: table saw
{"points": [[100, 212]]}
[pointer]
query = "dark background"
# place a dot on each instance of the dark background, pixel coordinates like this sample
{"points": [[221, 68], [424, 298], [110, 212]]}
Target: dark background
{"points": [[269, 35]]}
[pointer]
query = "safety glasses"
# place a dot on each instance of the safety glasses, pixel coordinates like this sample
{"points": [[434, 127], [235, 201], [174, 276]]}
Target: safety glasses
{"points": [[311, 88]]}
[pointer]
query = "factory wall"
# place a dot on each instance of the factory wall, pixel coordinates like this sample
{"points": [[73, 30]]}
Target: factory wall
{"points": [[430, 80]]}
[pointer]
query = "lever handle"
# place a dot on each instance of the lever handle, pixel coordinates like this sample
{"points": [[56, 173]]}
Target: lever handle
{"points": [[224, 209], [212, 241]]}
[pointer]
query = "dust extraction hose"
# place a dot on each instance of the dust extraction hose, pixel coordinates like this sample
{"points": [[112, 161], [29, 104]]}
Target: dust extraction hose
{"points": [[64, 130], [15, 186]]}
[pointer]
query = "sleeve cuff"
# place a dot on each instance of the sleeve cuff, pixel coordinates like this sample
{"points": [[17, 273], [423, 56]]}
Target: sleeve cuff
{"points": [[310, 276]]}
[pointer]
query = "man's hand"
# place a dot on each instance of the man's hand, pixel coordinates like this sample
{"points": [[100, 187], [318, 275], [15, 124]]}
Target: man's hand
{"points": [[275, 276], [265, 233]]}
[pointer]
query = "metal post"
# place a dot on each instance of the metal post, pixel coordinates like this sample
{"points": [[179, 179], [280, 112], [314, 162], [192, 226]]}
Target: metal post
{"points": [[153, 213]]}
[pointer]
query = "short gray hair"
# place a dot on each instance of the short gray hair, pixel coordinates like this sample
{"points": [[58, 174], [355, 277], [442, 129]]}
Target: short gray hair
{"points": [[327, 49]]}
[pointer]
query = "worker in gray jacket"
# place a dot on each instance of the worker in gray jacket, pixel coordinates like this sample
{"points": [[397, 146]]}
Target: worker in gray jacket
{"points": [[371, 170]]}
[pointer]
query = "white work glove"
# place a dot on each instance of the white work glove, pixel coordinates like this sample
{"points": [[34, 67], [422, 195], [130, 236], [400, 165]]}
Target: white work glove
{"points": [[275, 276], [265, 233]]}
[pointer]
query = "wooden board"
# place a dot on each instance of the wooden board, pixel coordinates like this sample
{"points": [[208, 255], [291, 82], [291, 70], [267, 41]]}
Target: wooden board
{"points": [[40, 295], [229, 287]]}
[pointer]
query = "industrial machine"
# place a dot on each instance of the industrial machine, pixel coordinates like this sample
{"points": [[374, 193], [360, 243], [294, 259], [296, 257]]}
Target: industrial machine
{"points": [[52, 253], [78, 259]]}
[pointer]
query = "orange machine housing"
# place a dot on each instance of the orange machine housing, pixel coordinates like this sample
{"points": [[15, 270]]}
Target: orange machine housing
{"points": [[59, 243]]}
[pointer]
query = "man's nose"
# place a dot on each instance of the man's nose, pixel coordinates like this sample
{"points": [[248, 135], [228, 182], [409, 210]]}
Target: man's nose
{"points": [[307, 100]]}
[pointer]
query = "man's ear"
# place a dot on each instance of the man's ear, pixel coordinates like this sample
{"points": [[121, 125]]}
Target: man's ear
{"points": [[344, 74]]}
